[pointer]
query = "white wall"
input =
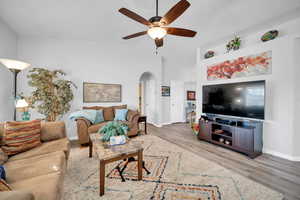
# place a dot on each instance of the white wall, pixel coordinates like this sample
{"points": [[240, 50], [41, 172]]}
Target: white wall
{"points": [[8, 49], [90, 62], [279, 128]]}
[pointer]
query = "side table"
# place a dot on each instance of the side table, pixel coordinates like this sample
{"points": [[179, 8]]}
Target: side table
{"points": [[143, 119]]}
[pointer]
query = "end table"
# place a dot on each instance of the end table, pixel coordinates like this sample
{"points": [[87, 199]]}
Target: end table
{"points": [[143, 119]]}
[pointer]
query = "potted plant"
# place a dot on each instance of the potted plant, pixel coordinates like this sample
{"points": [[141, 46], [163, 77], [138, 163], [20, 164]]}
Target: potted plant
{"points": [[52, 94], [234, 44], [112, 129]]}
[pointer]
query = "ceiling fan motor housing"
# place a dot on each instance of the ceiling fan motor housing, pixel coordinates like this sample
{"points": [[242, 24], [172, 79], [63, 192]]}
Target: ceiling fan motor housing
{"points": [[155, 20]]}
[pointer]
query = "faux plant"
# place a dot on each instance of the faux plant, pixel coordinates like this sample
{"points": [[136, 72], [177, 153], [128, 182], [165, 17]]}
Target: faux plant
{"points": [[113, 129], [234, 44], [52, 94]]}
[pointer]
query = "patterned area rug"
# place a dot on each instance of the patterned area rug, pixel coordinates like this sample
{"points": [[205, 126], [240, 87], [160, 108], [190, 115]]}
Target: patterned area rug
{"points": [[176, 174]]}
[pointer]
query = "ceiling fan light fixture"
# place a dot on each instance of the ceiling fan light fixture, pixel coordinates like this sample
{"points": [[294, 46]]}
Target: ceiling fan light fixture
{"points": [[157, 33]]}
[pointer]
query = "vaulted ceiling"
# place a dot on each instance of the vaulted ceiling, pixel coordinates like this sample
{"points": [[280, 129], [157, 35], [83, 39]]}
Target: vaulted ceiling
{"points": [[98, 20]]}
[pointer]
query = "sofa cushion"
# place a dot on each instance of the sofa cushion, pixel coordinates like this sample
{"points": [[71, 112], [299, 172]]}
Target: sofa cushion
{"points": [[119, 107], [3, 157], [131, 114], [120, 114], [4, 186], [35, 166], [21, 136], [108, 112], [96, 127], [52, 130], [46, 187], [16, 195], [46, 147]]}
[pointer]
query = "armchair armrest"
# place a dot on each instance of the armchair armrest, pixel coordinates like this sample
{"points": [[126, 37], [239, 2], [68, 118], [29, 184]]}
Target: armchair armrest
{"points": [[82, 130], [16, 195], [53, 131]]}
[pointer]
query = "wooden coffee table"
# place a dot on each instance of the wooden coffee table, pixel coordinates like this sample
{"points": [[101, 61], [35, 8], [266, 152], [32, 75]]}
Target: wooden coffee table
{"points": [[107, 154]]}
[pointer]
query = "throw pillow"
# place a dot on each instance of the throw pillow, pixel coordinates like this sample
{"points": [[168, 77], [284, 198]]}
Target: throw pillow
{"points": [[121, 114], [21, 136], [4, 186], [99, 117], [2, 172], [3, 157]]}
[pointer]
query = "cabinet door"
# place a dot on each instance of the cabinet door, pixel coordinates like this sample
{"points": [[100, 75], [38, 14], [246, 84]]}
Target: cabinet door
{"points": [[243, 139], [204, 130]]}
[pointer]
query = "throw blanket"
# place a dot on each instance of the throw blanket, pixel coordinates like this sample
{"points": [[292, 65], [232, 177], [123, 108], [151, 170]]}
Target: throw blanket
{"points": [[87, 114]]}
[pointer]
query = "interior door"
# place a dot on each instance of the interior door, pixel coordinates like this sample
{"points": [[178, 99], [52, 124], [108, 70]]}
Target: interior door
{"points": [[177, 101], [150, 100]]}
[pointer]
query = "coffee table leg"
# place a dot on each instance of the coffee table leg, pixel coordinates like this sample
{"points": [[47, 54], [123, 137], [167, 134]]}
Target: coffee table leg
{"points": [[102, 177], [140, 165], [90, 149]]}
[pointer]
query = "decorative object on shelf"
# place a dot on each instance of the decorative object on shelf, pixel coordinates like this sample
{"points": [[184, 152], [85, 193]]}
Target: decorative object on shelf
{"points": [[191, 95], [52, 94], [253, 65], [209, 54], [227, 142], [101, 93], [23, 107], [270, 35], [221, 140], [165, 91], [15, 67], [113, 129], [234, 44]]}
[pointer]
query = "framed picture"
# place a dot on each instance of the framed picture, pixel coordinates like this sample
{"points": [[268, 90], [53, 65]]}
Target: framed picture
{"points": [[165, 91], [99, 92], [252, 65], [191, 95]]}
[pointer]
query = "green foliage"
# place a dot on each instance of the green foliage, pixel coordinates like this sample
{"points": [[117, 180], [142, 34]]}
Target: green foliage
{"points": [[52, 95], [234, 44], [113, 129]]}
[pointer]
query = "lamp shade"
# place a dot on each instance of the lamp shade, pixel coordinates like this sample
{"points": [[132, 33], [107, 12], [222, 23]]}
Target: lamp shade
{"points": [[14, 64], [157, 32], [21, 103]]}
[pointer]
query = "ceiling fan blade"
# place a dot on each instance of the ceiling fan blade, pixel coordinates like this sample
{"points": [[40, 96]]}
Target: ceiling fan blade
{"points": [[135, 35], [159, 42], [180, 32], [175, 12], [134, 16]]}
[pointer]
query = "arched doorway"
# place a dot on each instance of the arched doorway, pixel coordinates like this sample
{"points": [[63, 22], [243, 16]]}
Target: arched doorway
{"points": [[147, 87]]}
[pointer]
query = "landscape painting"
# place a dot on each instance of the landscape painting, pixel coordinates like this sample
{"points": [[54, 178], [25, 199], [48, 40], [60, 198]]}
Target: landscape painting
{"points": [[253, 65], [99, 92]]}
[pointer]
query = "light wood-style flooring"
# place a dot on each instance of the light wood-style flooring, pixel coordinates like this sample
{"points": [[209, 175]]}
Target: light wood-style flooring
{"points": [[276, 173]]}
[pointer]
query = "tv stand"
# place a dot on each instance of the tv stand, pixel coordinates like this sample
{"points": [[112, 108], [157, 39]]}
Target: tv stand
{"points": [[239, 135]]}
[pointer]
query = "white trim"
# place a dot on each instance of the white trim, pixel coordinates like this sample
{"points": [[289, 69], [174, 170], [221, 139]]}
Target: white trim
{"points": [[73, 138], [166, 123], [282, 155]]}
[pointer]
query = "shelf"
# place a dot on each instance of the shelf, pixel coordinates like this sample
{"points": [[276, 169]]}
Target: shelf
{"points": [[222, 135], [220, 143]]}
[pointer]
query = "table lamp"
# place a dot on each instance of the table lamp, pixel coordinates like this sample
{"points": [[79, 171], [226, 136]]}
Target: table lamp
{"points": [[22, 106], [15, 67]]}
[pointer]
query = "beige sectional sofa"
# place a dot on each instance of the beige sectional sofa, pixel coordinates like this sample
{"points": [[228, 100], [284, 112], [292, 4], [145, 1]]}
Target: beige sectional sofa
{"points": [[38, 174]]}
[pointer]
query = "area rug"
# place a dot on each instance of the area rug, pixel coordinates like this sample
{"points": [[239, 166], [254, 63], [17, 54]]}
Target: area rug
{"points": [[176, 174]]}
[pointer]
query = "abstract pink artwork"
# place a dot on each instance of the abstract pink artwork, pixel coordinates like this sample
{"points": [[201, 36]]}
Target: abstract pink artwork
{"points": [[254, 65]]}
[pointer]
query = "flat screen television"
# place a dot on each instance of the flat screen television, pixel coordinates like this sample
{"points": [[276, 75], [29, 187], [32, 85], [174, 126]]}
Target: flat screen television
{"points": [[244, 99]]}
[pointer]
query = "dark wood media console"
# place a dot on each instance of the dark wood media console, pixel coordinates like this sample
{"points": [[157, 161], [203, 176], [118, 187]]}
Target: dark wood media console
{"points": [[244, 137]]}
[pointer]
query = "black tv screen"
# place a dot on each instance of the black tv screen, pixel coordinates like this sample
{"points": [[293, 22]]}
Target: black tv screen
{"points": [[245, 99]]}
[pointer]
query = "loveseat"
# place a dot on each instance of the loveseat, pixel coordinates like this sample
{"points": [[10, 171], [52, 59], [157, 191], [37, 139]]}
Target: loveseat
{"points": [[38, 174], [85, 127]]}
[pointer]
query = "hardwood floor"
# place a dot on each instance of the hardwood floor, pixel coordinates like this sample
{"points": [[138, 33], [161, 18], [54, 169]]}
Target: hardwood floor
{"points": [[276, 173]]}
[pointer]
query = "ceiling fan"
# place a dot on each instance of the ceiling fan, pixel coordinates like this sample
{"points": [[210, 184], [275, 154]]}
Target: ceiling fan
{"points": [[157, 25]]}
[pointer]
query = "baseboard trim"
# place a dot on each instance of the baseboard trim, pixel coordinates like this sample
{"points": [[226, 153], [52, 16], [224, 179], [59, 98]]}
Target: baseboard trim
{"points": [[282, 155], [166, 123], [73, 138]]}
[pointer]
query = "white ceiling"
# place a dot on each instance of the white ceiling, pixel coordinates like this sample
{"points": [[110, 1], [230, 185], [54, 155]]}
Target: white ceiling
{"points": [[99, 20]]}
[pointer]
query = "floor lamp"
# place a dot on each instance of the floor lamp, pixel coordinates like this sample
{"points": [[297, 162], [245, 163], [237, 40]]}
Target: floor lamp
{"points": [[15, 67]]}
